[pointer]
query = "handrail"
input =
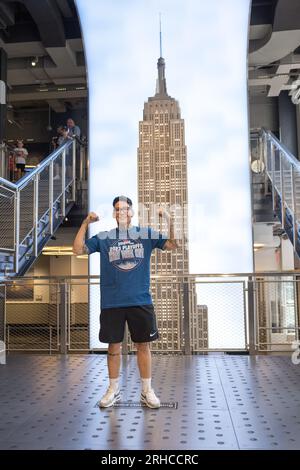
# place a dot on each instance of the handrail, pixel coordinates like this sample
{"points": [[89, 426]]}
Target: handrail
{"points": [[45, 193], [8, 183], [163, 276], [282, 169], [43, 164], [23, 181], [283, 148]]}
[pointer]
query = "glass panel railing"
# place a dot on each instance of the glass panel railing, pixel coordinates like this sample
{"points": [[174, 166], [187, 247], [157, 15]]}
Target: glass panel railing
{"points": [[239, 312]]}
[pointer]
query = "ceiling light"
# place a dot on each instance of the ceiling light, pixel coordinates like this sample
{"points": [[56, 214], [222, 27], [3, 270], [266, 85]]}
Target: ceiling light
{"points": [[57, 251], [259, 245], [57, 248], [61, 251], [34, 61]]}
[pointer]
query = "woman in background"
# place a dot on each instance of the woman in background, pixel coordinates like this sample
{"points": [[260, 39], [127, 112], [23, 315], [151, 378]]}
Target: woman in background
{"points": [[20, 158]]}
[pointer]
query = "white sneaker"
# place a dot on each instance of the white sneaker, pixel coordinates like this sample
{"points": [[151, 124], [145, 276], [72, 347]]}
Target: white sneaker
{"points": [[150, 399], [110, 397]]}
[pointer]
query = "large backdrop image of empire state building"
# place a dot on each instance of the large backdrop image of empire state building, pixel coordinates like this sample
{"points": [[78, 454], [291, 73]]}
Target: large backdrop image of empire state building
{"points": [[162, 181], [198, 158]]}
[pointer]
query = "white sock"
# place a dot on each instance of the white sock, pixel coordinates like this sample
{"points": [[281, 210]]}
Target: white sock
{"points": [[114, 383], [146, 384]]}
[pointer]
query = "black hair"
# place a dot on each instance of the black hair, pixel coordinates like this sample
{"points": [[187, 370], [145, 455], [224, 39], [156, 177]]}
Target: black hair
{"points": [[122, 198]]}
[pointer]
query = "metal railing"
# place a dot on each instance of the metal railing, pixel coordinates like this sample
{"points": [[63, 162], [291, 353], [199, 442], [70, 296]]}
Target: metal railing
{"points": [[5, 151], [33, 208], [283, 171], [255, 313]]}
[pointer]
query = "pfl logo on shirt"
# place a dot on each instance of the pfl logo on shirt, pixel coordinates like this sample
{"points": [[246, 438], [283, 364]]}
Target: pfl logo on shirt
{"points": [[126, 255]]}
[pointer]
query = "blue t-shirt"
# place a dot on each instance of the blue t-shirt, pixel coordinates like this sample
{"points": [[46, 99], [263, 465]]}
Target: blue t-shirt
{"points": [[125, 264]]}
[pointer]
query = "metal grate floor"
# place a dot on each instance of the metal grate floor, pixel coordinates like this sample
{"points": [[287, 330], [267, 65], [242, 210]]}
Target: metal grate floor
{"points": [[224, 402]]}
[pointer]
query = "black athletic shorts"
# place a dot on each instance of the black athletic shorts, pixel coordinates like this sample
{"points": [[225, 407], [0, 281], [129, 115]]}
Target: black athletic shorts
{"points": [[140, 319], [20, 166]]}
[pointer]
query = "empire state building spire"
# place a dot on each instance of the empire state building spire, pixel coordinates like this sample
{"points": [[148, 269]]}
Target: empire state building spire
{"points": [[161, 85]]}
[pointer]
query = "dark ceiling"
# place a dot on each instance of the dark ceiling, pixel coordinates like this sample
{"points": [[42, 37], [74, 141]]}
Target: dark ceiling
{"points": [[262, 11], [47, 31]]}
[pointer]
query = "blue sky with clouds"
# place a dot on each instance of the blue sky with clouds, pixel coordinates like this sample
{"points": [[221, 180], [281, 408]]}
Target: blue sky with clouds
{"points": [[204, 45]]}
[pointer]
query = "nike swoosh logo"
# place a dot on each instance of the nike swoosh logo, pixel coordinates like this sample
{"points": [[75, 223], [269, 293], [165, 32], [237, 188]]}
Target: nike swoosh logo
{"points": [[152, 334]]}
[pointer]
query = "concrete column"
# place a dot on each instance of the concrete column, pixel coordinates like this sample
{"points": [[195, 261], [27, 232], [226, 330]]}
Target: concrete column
{"points": [[298, 126], [288, 123], [3, 81]]}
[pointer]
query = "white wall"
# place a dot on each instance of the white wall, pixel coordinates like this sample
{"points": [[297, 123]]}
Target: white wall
{"points": [[267, 259], [61, 266], [287, 255], [276, 255], [79, 288]]}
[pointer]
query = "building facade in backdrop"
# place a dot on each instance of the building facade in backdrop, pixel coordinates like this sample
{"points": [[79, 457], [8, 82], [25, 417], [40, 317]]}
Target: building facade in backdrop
{"points": [[162, 180]]}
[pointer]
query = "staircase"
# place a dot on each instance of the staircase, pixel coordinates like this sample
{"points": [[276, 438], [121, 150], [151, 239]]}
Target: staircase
{"points": [[32, 209], [283, 172]]}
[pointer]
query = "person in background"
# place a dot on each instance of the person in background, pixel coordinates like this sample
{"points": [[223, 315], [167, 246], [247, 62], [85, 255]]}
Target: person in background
{"points": [[75, 133], [20, 157], [56, 139], [11, 166], [73, 130], [64, 136]]}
